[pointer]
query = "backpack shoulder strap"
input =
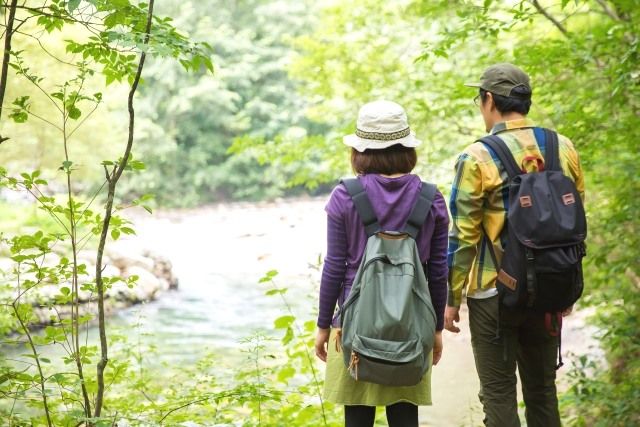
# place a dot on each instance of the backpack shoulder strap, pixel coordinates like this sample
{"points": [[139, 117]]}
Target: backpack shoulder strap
{"points": [[362, 204], [551, 151], [497, 145], [420, 209]]}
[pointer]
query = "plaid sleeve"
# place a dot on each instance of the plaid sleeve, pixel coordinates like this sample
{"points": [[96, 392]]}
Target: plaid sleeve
{"points": [[571, 166], [576, 171], [467, 198]]}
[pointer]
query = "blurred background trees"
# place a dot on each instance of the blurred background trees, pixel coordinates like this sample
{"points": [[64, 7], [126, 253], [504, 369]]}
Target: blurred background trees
{"points": [[290, 76]]}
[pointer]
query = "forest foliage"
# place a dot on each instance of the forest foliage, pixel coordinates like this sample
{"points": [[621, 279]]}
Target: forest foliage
{"points": [[288, 79]]}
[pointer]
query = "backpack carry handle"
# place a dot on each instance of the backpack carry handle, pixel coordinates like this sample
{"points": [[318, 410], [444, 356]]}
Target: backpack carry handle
{"points": [[539, 163], [551, 155]]}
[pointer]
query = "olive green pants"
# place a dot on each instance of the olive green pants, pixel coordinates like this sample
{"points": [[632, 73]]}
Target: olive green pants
{"points": [[526, 343]]}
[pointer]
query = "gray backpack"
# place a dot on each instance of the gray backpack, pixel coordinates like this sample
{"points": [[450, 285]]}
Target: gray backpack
{"points": [[388, 321]]}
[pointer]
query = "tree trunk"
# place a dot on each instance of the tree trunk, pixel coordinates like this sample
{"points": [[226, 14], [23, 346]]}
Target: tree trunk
{"points": [[113, 178]]}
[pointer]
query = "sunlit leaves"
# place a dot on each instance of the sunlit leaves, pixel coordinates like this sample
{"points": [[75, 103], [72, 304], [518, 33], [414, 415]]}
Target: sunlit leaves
{"points": [[144, 202], [72, 5], [283, 322], [268, 277], [20, 113]]}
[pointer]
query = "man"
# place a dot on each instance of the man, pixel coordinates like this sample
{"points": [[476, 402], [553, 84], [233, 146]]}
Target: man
{"points": [[479, 202]]}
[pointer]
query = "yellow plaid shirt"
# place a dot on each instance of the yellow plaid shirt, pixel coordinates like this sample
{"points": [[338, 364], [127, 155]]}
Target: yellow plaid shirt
{"points": [[479, 197]]}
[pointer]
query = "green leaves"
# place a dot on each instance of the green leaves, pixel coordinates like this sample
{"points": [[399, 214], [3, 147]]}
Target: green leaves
{"points": [[144, 202], [72, 5], [74, 112], [120, 225], [20, 113], [30, 180], [268, 277], [66, 166], [136, 165], [284, 322]]}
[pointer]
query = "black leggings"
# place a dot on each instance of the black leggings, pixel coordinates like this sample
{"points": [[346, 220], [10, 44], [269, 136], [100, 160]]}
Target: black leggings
{"points": [[402, 414]]}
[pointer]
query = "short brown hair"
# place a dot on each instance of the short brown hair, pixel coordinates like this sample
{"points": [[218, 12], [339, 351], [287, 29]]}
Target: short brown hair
{"points": [[388, 161]]}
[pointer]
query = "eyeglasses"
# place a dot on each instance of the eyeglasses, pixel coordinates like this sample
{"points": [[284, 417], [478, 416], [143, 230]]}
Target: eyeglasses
{"points": [[476, 100]]}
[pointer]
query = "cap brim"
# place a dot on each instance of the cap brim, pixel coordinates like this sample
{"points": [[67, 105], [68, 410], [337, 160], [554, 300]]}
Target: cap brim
{"points": [[362, 144], [473, 84]]}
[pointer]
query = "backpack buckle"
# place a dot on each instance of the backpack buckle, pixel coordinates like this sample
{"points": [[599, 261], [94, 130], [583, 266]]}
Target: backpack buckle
{"points": [[530, 256]]}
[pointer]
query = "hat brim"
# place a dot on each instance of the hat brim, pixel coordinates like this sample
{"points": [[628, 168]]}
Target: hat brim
{"points": [[362, 144], [473, 84]]}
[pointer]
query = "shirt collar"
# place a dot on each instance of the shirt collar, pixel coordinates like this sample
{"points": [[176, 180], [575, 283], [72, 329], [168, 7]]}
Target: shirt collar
{"points": [[512, 124]]}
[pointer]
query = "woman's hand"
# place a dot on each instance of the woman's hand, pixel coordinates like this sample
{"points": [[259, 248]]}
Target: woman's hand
{"points": [[322, 343], [437, 348]]}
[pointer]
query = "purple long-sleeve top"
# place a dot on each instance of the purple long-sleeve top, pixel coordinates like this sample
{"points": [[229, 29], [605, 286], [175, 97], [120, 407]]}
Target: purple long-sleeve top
{"points": [[392, 200]]}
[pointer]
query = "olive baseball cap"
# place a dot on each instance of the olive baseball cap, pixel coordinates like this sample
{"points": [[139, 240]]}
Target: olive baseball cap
{"points": [[502, 78]]}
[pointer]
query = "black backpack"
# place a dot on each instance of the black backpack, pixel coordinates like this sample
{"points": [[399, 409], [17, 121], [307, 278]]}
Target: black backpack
{"points": [[546, 227]]}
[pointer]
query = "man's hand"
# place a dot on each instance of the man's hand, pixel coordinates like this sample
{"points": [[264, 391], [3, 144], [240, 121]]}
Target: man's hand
{"points": [[451, 315], [322, 343], [437, 348]]}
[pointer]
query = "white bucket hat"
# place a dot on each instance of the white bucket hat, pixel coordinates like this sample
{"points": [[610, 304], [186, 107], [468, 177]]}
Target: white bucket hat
{"points": [[381, 124]]}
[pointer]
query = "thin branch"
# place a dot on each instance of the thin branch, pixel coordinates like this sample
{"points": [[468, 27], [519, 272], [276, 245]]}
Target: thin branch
{"points": [[66, 335], [204, 399], [37, 359], [21, 361], [7, 51], [27, 289], [91, 26], [50, 211], [36, 84], [83, 120], [547, 15], [46, 50], [609, 11], [92, 200], [75, 305], [45, 120], [105, 228], [22, 22]]}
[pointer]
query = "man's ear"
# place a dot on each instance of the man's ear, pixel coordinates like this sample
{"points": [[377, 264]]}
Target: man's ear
{"points": [[489, 101]]}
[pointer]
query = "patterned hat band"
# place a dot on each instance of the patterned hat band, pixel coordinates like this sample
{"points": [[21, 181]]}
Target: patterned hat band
{"points": [[380, 136]]}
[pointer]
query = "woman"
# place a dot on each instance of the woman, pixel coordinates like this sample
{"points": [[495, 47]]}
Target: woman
{"points": [[382, 155]]}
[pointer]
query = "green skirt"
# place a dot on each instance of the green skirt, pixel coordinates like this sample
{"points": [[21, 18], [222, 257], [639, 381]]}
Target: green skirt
{"points": [[342, 389]]}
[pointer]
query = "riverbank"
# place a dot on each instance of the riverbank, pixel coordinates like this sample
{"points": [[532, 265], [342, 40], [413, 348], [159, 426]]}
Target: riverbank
{"points": [[143, 276]]}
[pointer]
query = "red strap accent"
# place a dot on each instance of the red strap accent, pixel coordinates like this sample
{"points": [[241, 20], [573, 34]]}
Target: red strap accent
{"points": [[553, 331], [538, 160]]}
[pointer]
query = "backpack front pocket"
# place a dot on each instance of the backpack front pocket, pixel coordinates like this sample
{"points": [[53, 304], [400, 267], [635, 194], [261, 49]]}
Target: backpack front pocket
{"points": [[558, 278], [393, 363]]}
